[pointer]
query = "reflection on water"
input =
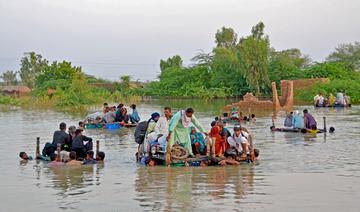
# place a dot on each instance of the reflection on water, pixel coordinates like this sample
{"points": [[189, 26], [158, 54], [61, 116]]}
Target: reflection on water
{"points": [[294, 169], [190, 188]]}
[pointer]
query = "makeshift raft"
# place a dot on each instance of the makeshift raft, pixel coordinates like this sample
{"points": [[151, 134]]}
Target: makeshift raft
{"points": [[293, 130], [179, 157], [110, 126], [332, 106], [296, 130]]}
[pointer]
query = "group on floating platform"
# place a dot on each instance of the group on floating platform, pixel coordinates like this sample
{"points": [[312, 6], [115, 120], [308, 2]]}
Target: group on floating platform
{"points": [[294, 122], [113, 117], [238, 116], [340, 100], [71, 148], [180, 139]]}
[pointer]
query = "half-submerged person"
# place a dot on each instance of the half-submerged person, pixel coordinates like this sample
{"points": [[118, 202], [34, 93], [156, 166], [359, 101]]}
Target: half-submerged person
{"points": [[134, 117], [81, 125], [55, 160], [78, 144], [73, 160], [197, 142], [100, 156], [309, 120], [24, 156], [89, 158], [179, 129]]}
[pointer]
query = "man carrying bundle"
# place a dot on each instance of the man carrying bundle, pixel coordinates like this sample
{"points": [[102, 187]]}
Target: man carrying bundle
{"points": [[179, 129]]}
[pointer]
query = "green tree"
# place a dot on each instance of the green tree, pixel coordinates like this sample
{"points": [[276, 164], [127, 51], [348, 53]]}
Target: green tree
{"points": [[332, 70], [56, 72], [257, 32], [225, 38], [125, 82], [226, 72], [287, 64], [9, 77], [348, 54], [171, 62], [31, 65], [203, 59], [253, 53]]}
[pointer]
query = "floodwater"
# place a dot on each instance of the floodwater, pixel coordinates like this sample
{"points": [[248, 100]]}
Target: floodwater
{"points": [[295, 172]]}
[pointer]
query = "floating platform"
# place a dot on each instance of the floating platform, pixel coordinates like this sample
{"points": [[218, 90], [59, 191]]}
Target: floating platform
{"points": [[109, 126]]}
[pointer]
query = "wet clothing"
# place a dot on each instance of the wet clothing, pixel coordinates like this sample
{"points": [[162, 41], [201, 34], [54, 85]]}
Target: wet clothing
{"points": [[298, 122], [109, 117], [219, 141], [332, 100], [179, 125], [60, 137], [235, 141], [91, 161], [288, 121], [134, 117], [340, 98], [198, 138], [119, 117], [162, 126], [309, 121], [151, 127], [124, 118], [79, 147]]}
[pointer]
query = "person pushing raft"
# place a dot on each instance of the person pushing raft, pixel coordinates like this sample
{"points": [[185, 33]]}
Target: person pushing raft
{"points": [[179, 126]]}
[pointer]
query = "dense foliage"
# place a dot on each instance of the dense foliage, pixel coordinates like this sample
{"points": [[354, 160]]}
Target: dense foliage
{"points": [[236, 65], [249, 64]]}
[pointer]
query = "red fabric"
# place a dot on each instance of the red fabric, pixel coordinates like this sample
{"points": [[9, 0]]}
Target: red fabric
{"points": [[219, 141]]}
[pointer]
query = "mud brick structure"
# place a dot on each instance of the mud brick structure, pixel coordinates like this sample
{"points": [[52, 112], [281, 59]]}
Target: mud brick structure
{"points": [[285, 101]]}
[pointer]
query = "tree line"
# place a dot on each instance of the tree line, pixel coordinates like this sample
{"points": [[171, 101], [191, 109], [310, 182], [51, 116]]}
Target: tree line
{"points": [[237, 65]]}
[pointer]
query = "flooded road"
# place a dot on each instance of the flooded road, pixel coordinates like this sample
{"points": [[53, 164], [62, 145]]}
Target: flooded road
{"points": [[295, 172]]}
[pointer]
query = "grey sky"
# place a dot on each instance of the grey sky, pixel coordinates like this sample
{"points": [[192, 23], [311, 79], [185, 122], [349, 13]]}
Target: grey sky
{"points": [[111, 38]]}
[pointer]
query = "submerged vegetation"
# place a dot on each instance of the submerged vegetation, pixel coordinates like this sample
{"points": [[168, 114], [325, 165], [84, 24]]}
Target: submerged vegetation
{"points": [[235, 65]]}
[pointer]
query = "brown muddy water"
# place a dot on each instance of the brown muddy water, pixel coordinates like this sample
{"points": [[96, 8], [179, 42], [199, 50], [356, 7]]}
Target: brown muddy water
{"points": [[294, 173]]}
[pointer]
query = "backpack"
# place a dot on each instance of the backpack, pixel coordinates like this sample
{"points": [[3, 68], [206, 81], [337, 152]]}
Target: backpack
{"points": [[140, 131], [49, 149]]}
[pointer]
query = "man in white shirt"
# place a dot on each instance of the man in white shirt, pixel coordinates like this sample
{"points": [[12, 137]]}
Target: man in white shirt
{"points": [[161, 129], [239, 140], [162, 126]]}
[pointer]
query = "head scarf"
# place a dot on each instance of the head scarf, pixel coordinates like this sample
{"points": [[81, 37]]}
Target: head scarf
{"points": [[185, 120]]}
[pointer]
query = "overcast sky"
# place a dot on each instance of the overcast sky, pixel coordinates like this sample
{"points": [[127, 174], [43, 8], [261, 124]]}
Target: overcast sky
{"points": [[110, 38]]}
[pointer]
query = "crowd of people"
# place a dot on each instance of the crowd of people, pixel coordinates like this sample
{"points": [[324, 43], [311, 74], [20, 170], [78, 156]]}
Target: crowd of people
{"points": [[339, 100], [161, 133], [236, 115], [68, 148], [115, 114], [158, 133]]}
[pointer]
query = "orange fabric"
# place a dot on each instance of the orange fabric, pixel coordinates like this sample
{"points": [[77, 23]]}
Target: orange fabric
{"points": [[219, 141]]}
